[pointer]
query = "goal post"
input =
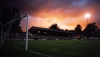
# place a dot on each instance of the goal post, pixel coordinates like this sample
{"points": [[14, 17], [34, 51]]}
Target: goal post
{"points": [[6, 36], [27, 32]]}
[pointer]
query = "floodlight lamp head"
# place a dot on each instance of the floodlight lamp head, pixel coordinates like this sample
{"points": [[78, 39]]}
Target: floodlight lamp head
{"points": [[87, 15]]}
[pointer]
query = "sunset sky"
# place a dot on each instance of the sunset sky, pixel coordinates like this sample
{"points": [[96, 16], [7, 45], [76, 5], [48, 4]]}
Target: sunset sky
{"points": [[66, 13]]}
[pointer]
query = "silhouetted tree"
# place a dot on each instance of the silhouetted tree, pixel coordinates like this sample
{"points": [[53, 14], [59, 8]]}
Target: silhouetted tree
{"points": [[7, 15], [90, 29], [54, 26], [78, 29], [98, 32], [66, 29], [15, 26]]}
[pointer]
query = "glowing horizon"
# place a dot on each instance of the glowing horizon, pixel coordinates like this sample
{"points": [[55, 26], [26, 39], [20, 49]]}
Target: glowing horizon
{"points": [[66, 23], [66, 15]]}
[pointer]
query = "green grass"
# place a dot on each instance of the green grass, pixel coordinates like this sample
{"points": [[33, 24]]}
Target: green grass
{"points": [[61, 48]]}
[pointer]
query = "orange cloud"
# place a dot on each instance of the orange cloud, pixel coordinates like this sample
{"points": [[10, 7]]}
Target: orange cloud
{"points": [[65, 18]]}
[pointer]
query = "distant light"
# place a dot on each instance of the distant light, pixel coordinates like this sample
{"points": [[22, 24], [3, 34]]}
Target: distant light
{"points": [[45, 32], [87, 15], [38, 31]]}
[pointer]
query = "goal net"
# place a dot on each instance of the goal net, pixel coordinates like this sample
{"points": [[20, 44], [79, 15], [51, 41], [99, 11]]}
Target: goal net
{"points": [[12, 37]]}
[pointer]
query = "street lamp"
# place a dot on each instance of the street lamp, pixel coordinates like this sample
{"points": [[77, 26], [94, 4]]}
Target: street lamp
{"points": [[87, 15]]}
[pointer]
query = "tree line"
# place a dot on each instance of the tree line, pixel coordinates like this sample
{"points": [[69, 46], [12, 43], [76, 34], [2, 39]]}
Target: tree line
{"points": [[90, 29]]}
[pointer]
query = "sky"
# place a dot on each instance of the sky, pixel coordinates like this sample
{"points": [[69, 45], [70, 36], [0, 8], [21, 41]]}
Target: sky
{"points": [[66, 13]]}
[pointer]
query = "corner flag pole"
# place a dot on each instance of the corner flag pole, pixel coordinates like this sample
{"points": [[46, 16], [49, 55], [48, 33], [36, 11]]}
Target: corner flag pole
{"points": [[27, 33]]}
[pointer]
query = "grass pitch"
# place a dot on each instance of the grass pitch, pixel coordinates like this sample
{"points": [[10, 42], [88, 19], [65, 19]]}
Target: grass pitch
{"points": [[59, 48]]}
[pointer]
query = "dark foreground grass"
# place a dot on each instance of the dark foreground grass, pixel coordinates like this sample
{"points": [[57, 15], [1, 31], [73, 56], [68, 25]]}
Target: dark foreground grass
{"points": [[60, 48]]}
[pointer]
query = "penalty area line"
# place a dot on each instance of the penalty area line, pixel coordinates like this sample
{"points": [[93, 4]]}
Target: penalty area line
{"points": [[39, 53]]}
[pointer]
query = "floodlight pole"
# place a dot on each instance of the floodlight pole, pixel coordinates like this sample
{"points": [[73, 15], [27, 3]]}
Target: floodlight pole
{"points": [[87, 20], [27, 33]]}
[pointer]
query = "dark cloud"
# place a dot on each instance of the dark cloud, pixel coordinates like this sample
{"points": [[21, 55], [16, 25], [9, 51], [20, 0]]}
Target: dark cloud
{"points": [[31, 6], [54, 4], [69, 8]]}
